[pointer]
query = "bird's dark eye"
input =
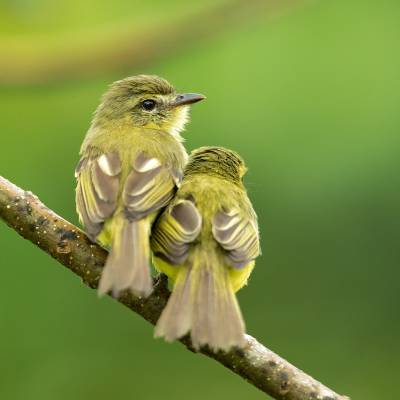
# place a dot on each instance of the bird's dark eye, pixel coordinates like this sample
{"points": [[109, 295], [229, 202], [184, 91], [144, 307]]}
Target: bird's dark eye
{"points": [[148, 105]]}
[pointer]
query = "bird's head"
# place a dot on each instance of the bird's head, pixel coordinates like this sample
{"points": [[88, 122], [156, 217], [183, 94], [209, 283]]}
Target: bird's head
{"points": [[217, 161], [147, 101]]}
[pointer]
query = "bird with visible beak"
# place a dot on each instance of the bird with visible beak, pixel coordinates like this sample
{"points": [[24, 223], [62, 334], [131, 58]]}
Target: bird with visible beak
{"points": [[132, 160]]}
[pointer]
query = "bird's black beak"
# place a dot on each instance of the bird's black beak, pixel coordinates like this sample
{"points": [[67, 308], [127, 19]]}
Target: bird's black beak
{"points": [[187, 98]]}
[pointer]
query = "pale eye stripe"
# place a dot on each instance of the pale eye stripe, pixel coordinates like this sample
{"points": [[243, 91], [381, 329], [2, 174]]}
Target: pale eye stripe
{"points": [[105, 165]]}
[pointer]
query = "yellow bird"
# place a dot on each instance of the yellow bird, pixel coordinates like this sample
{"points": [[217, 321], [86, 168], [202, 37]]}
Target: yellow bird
{"points": [[206, 242], [131, 163]]}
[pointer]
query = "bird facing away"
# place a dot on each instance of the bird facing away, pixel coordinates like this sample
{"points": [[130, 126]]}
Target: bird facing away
{"points": [[132, 160], [206, 241]]}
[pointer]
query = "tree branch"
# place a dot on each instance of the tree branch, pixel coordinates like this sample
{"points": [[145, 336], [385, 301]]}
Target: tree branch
{"points": [[264, 369]]}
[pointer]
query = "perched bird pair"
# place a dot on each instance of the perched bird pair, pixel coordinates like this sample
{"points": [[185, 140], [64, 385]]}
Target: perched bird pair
{"points": [[138, 193]]}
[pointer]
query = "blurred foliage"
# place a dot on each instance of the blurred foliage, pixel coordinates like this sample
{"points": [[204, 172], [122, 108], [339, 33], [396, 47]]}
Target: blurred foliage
{"points": [[61, 39], [311, 102], [45, 17]]}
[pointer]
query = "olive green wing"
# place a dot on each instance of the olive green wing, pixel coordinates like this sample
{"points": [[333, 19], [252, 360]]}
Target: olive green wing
{"points": [[175, 230], [148, 187], [238, 235], [97, 190]]}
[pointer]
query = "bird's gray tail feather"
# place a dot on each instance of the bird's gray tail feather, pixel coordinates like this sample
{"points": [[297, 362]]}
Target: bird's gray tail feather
{"points": [[203, 303], [128, 264]]}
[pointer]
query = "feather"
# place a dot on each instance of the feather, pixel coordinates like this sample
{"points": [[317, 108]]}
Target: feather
{"points": [[175, 230], [237, 235], [148, 187], [127, 266], [203, 303], [92, 228], [175, 320], [97, 190], [105, 186], [110, 163]]}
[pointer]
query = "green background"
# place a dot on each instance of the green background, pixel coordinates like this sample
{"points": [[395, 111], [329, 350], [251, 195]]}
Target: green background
{"points": [[311, 101]]}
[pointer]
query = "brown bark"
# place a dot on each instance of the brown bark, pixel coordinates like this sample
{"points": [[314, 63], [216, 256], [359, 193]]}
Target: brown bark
{"points": [[258, 365]]}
